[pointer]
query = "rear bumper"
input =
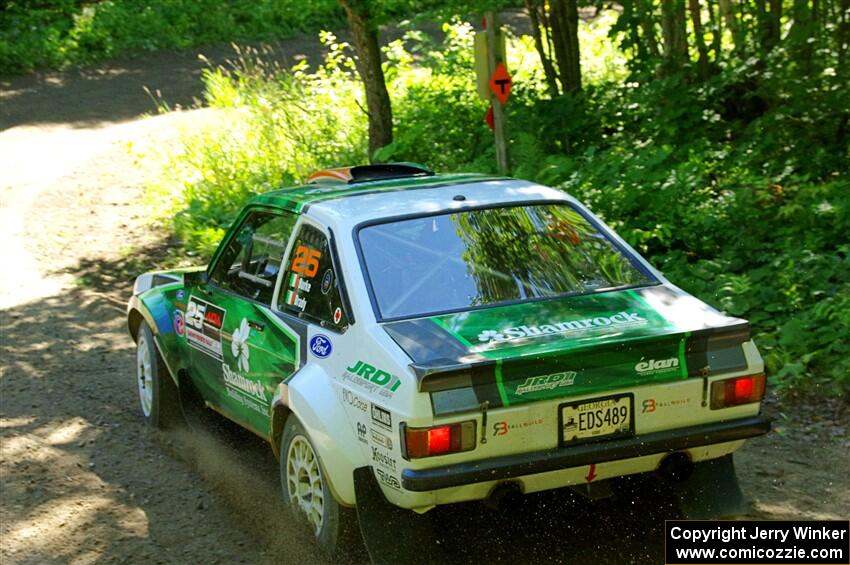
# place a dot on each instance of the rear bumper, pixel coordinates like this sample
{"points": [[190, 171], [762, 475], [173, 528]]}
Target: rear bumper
{"points": [[512, 466]]}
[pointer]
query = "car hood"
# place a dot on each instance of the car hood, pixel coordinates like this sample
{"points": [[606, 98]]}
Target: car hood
{"points": [[603, 340]]}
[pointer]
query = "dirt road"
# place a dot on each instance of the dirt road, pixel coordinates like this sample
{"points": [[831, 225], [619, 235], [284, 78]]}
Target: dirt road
{"points": [[84, 481]]}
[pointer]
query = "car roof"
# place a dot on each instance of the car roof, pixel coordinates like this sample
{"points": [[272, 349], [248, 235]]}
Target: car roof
{"points": [[334, 202], [299, 198]]}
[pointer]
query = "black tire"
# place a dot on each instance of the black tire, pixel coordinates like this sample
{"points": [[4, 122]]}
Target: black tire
{"points": [[158, 396], [336, 531]]}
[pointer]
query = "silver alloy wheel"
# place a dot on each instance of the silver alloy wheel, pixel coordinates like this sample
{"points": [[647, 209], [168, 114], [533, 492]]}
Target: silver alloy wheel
{"points": [[304, 481], [144, 374]]}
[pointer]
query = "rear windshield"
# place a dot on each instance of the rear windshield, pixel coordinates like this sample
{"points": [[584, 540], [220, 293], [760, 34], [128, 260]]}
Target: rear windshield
{"points": [[492, 256]]}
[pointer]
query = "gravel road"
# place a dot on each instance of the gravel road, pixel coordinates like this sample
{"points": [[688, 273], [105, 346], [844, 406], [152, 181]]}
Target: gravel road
{"points": [[83, 481]]}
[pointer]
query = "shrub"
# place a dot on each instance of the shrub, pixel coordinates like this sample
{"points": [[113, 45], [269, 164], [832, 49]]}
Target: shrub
{"points": [[59, 33]]}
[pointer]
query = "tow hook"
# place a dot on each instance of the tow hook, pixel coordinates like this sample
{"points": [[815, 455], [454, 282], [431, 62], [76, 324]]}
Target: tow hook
{"points": [[484, 406]]}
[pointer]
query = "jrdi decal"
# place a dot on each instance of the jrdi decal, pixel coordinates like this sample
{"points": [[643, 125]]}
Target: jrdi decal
{"points": [[373, 379], [546, 382]]}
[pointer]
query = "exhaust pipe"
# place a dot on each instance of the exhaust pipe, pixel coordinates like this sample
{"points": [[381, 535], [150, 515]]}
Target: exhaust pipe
{"points": [[676, 467], [504, 495]]}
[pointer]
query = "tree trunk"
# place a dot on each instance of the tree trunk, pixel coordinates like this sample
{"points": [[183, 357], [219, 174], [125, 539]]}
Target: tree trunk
{"points": [[727, 14], [365, 38], [774, 30], [801, 30], [702, 49], [545, 58], [647, 27], [564, 20], [843, 37], [716, 30], [675, 33]]}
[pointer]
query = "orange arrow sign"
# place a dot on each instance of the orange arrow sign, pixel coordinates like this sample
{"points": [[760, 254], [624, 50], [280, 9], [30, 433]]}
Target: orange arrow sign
{"points": [[501, 83]]}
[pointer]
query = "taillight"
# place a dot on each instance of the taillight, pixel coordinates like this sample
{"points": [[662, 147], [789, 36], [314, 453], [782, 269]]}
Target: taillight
{"points": [[740, 390], [439, 440]]}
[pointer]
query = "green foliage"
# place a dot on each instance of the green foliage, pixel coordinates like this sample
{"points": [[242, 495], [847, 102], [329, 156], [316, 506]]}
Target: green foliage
{"points": [[58, 33], [266, 128], [735, 186]]}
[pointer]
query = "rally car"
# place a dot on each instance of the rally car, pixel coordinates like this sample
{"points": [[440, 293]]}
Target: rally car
{"points": [[405, 340]]}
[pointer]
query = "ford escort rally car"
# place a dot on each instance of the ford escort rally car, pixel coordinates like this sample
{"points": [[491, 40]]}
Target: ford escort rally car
{"points": [[405, 340]]}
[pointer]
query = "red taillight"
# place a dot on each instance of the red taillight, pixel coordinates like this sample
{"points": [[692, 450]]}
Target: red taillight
{"points": [[740, 390], [743, 389], [439, 440]]}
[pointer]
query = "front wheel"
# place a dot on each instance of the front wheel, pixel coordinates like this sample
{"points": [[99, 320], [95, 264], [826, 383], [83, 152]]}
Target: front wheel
{"points": [[306, 493], [158, 396]]}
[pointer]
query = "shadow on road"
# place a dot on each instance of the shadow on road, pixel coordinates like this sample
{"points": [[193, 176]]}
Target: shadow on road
{"points": [[82, 465], [83, 480], [125, 88]]}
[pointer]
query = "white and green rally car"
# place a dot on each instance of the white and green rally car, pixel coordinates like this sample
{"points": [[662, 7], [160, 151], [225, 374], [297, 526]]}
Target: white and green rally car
{"points": [[405, 340]]}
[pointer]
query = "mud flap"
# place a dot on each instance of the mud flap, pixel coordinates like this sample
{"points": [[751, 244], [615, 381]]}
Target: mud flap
{"points": [[712, 491], [392, 535]]}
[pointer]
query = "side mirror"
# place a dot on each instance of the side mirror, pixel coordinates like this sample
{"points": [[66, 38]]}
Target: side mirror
{"points": [[195, 278]]}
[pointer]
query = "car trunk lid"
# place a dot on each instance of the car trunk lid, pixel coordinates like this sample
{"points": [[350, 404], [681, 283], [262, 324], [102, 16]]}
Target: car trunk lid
{"points": [[572, 346]]}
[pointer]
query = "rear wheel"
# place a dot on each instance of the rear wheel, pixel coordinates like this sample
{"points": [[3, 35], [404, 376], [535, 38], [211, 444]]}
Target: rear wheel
{"points": [[158, 396], [307, 495]]}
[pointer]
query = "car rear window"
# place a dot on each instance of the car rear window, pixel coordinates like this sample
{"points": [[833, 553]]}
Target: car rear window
{"points": [[483, 257]]}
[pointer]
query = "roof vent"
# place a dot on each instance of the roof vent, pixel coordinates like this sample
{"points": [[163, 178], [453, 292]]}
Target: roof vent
{"points": [[366, 173]]}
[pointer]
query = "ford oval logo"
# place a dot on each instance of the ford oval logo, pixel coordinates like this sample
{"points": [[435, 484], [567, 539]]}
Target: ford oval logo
{"points": [[320, 346]]}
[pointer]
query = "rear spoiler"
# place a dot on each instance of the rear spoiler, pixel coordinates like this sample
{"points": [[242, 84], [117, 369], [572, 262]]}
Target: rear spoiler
{"points": [[707, 351]]}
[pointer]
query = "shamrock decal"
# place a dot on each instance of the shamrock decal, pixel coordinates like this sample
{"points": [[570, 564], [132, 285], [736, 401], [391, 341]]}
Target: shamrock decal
{"points": [[487, 335], [239, 345]]}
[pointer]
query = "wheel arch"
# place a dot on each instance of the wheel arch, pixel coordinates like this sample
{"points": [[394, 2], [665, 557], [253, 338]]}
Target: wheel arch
{"points": [[280, 413], [311, 398], [134, 321], [136, 314]]}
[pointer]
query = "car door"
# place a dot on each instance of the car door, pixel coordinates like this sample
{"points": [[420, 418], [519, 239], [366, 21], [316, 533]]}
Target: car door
{"points": [[239, 349]]}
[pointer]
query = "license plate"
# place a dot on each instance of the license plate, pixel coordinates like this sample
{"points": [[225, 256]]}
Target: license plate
{"points": [[589, 420]]}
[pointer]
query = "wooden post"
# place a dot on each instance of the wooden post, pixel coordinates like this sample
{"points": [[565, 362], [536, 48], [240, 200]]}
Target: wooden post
{"points": [[494, 39]]}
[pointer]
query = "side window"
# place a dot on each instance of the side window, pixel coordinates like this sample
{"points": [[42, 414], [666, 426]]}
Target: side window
{"points": [[310, 286], [252, 260]]}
